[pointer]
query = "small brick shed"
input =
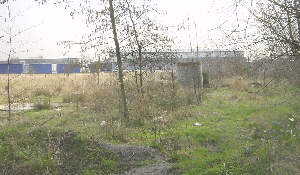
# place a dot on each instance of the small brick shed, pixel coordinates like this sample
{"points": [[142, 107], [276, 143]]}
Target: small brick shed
{"points": [[190, 74]]}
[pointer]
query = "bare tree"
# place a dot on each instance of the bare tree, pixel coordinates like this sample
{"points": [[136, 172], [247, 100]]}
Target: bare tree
{"points": [[279, 22], [8, 19], [10, 33], [144, 34], [8, 65], [119, 59], [132, 28], [104, 25]]}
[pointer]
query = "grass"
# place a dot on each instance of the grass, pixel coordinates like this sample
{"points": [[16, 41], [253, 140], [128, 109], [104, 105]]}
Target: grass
{"points": [[239, 138], [240, 132], [52, 152]]}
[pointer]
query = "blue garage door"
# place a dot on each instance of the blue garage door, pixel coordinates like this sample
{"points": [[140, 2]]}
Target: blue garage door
{"points": [[40, 68], [68, 68], [13, 68]]}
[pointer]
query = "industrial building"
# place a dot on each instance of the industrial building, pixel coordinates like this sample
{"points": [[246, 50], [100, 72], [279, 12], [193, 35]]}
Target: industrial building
{"points": [[13, 68], [212, 59], [41, 66], [215, 62]]}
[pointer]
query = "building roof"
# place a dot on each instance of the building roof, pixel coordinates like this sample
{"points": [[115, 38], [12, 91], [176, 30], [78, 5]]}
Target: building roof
{"points": [[43, 61], [187, 56]]}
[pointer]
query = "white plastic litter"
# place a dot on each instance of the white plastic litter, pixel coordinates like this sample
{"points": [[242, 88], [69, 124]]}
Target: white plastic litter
{"points": [[197, 124], [102, 123]]}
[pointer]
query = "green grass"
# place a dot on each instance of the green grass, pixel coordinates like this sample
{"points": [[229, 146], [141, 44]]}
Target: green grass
{"points": [[238, 137], [55, 152], [240, 133]]}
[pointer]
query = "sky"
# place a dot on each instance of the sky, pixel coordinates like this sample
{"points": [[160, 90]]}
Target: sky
{"points": [[40, 28]]}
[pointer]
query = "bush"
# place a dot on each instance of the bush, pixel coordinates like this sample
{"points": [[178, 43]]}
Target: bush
{"points": [[67, 98], [42, 92], [239, 83], [42, 104]]}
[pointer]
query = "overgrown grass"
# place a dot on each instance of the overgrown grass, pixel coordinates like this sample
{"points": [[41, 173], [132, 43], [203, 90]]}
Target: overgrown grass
{"points": [[239, 132], [240, 137], [41, 151]]}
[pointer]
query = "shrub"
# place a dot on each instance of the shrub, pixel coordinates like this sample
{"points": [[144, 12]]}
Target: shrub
{"points": [[42, 104], [239, 83], [42, 92]]}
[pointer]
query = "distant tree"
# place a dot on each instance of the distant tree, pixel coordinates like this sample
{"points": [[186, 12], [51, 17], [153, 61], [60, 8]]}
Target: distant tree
{"points": [[144, 34], [95, 67], [105, 24], [10, 32], [9, 35], [130, 25], [279, 22], [10, 52]]}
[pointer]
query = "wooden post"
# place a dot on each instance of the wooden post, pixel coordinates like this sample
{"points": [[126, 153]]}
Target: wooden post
{"points": [[264, 77]]}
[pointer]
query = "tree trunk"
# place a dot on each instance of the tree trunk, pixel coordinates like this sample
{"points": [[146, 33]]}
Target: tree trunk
{"points": [[141, 69], [98, 71], [98, 79], [136, 78], [201, 77], [8, 69], [173, 86], [291, 36], [119, 61], [8, 85]]}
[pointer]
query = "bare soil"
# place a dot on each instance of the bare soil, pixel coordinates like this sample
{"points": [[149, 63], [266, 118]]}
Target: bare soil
{"points": [[134, 156]]}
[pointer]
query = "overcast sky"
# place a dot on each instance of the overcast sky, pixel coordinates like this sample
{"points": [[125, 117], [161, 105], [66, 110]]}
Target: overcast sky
{"points": [[48, 24]]}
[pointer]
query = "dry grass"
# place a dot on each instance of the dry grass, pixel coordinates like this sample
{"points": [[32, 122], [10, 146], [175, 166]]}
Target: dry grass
{"points": [[30, 86], [159, 118], [238, 82], [84, 91]]}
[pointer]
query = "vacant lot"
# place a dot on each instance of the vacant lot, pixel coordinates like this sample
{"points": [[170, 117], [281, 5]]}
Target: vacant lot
{"points": [[231, 131]]}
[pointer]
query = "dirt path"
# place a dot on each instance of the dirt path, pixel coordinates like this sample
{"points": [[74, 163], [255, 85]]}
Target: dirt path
{"points": [[141, 160]]}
